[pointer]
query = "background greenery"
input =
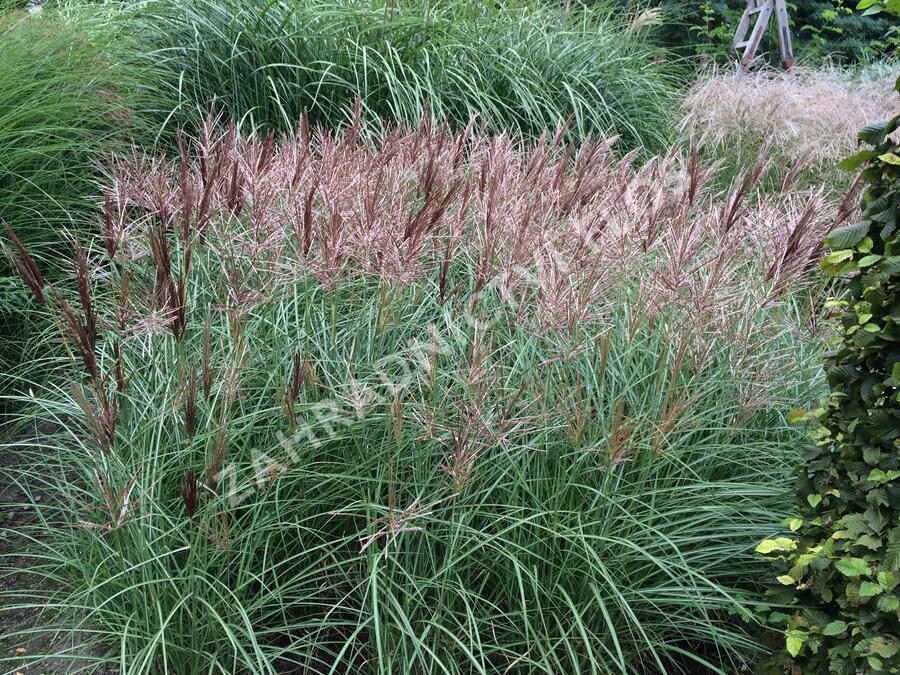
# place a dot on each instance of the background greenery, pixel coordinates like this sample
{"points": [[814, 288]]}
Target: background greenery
{"points": [[841, 570], [821, 29]]}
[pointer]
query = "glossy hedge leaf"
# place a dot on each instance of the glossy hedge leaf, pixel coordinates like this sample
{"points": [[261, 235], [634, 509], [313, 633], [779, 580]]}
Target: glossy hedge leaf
{"points": [[868, 589], [889, 603], [852, 567], [848, 236], [772, 545], [874, 133], [835, 628], [855, 161], [837, 257]]}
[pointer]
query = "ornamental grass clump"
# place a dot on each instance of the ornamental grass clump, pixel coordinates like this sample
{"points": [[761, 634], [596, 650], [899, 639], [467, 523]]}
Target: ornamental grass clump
{"points": [[803, 118], [429, 401], [66, 99], [521, 67]]}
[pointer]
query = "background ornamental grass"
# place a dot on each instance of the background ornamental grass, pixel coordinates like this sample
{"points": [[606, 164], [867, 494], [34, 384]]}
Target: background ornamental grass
{"points": [[521, 68], [67, 100], [806, 119]]}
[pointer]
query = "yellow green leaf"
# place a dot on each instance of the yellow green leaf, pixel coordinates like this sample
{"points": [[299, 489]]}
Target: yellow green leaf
{"points": [[888, 603], [837, 257], [796, 415], [868, 589], [777, 544]]}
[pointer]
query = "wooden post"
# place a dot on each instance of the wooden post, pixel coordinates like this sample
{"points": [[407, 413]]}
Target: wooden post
{"points": [[784, 35]]}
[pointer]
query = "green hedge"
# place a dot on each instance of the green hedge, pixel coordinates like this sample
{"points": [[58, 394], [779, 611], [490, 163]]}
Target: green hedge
{"points": [[840, 574]]}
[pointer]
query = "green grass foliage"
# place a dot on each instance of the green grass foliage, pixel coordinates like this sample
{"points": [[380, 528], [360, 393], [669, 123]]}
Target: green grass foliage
{"points": [[331, 418], [64, 101], [521, 68]]}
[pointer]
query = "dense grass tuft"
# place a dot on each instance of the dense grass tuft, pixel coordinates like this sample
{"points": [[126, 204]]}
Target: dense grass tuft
{"points": [[521, 68], [66, 101], [807, 120], [435, 403]]}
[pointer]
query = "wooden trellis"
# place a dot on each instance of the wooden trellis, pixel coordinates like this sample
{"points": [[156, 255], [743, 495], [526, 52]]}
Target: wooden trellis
{"points": [[753, 25]]}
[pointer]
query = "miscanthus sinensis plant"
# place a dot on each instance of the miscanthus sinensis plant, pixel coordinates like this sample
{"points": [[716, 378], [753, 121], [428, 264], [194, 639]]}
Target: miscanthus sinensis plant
{"points": [[432, 402], [518, 66]]}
